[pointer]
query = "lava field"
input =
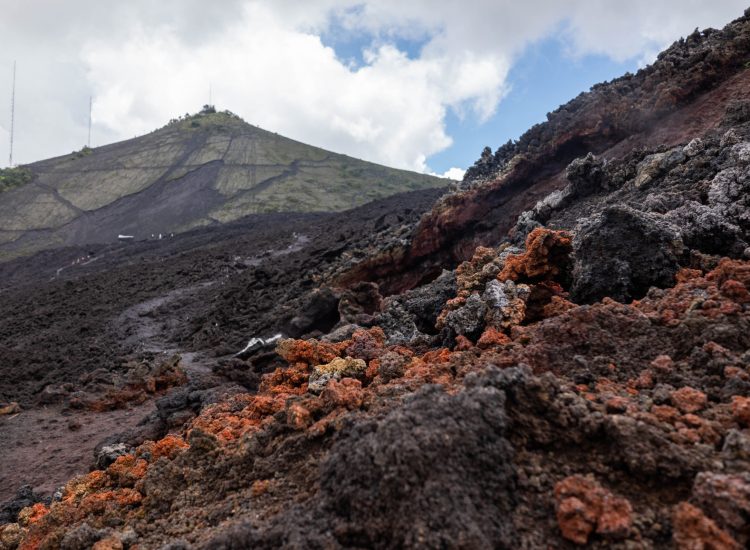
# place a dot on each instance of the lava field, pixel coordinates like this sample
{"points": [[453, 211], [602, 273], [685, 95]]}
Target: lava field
{"points": [[554, 353]]}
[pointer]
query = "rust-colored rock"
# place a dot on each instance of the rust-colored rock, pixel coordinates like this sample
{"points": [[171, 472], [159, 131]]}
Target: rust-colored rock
{"points": [[692, 530], [492, 337], [127, 470], [473, 275], [616, 404], [287, 380], [741, 410], [463, 343], [665, 413], [311, 352], [33, 514], [689, 400], [169, 447], [108, 543], [260, 487], [662, 364], [347, 393], [298, 417], [546, 257], [584, 507], [556, 306], [726, 498]]}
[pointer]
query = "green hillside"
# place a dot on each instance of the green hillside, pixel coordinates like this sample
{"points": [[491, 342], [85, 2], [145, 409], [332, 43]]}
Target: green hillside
{"points": [[198, 170]]}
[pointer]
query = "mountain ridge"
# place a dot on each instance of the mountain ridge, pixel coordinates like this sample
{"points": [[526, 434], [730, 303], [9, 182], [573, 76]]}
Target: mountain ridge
{"points": [[204, 169]]}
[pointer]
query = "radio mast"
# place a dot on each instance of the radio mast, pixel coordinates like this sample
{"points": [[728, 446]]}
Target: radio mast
{"points": [[12, 116], [88, 143]]}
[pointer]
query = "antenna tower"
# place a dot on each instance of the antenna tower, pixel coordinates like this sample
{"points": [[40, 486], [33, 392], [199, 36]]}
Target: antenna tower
{"points": [[12, 115], [88, 143]]}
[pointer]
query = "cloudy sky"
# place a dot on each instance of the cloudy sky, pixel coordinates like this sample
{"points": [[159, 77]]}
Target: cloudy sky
{"points": [[417, 84]]}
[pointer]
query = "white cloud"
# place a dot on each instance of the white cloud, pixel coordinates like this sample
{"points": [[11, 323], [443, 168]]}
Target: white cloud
{"points": [[146, 62], [452, 174], [642, 28]]}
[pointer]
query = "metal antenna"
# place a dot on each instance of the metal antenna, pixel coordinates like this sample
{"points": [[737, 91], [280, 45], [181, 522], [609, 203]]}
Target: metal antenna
{"points": [[88, 143], [12, 115], [209, 93]]}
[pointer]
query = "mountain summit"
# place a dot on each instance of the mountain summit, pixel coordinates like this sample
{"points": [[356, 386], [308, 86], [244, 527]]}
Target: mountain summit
{"points": [[208, 168]]}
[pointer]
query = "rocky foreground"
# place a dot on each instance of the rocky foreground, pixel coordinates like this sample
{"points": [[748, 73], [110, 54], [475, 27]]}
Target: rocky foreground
{"points": [[557, 354]]}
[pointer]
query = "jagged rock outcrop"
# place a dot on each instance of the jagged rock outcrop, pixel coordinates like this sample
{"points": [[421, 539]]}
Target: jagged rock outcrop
{"points": [[697, 85]]}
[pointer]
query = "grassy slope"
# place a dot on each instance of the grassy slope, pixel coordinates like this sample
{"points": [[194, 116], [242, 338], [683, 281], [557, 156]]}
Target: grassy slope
{"points": [[239, 168]]}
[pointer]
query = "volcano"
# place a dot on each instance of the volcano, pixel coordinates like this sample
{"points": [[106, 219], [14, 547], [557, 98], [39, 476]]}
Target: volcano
{"points": [[206, 169], [554, 353]]}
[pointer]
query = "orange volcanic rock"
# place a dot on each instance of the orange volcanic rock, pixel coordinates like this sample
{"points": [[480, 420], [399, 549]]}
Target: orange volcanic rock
{"points": [[260, 487], [348, 393], [685, 274], [98, 503], [546, 256], [298, 417], [689, 400], [473, 275], [79, 487], [556, 306], [108, 543], [311, 352], [169, 446], [692, 529], [32, 514], [665, 413], [433, 367], [492, 337], [616, 404], [741, 410], [227, 421], [287, 380], [463, 343], [703, 295], [584, 507], [127, 470]]}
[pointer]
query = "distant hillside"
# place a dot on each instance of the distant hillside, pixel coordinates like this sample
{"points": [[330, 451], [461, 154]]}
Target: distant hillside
{"points": [[199, 170]]}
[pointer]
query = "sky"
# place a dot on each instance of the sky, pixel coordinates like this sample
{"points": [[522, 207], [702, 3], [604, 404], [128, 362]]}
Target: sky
{"points": [[420, 84]]}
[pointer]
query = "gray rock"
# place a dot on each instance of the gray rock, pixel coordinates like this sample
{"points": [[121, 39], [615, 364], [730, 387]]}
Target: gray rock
{"points": [[109, 453], [706, 229], [586, 175], [693, 148], [468, 320], [410, 317], [653, 166], [82, 537], [621, 253], [392, 366]]}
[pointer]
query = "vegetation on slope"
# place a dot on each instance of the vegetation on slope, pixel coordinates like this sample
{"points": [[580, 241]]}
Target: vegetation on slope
{"points": [[14, 177], [201, 169]]}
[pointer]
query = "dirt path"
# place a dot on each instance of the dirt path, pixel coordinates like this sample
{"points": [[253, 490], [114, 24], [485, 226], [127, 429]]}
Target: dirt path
{"points": [[45, 447], [144, 328]]}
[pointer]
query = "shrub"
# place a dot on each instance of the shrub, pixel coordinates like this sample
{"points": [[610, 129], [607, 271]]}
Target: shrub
{"points": [[14, 177]]}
